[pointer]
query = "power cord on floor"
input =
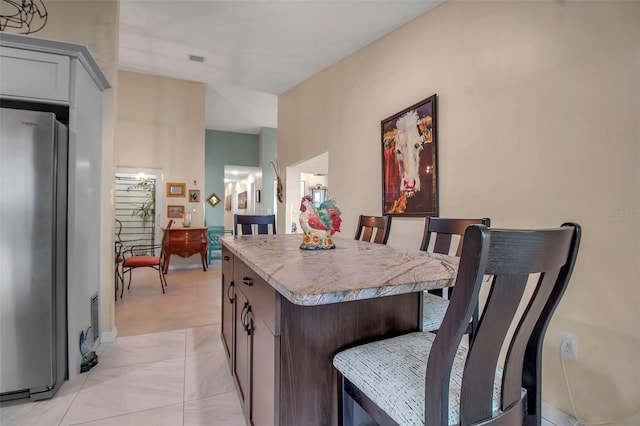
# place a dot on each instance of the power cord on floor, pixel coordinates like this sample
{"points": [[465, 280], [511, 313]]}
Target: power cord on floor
{"points": [[579, 421]]}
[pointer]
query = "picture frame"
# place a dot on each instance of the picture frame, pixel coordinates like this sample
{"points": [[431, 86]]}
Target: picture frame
{"points": [[194, 196], [213, 199], [409, 161], [227, 202], [175, 212], [175, 189], [242, 200]]}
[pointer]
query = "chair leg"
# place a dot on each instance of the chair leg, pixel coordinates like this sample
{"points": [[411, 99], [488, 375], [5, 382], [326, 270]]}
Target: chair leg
{"points": [[115, 280], [162, 279], [345, 416], [130, 272]]}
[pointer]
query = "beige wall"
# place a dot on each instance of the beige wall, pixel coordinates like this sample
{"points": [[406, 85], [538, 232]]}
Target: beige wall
{"points": [[160, 125], [94, 23], [538, 124]]}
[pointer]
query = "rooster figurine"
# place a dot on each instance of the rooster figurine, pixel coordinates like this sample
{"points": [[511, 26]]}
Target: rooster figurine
{"points": [[319, 225]]}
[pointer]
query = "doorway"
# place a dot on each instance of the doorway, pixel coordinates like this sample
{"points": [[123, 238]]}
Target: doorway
{"points": [[302, 178], [138, 204]]}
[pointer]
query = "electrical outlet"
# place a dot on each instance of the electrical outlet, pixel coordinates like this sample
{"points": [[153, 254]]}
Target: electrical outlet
{"points": [[568, 344]]}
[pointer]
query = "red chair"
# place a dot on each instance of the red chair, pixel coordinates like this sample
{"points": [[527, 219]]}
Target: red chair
{"points": [[144, 256]]}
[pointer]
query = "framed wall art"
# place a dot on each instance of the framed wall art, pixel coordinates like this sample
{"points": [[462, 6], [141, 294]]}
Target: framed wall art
{"points": [[175, 212], [213, 199], [242, 200], [194, 195], [227, 202], [409, 161], [176, 189]]}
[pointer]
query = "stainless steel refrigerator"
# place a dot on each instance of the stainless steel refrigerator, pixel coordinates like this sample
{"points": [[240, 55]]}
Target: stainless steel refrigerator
{"points": [[33, 261]]}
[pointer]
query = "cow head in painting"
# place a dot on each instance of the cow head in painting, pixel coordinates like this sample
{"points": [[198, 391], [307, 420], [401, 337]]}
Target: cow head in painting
{"points": [[408, 146]]}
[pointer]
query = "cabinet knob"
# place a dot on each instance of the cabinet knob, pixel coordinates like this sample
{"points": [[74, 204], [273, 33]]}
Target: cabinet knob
{"points": [[226, 258], [247, 281]]}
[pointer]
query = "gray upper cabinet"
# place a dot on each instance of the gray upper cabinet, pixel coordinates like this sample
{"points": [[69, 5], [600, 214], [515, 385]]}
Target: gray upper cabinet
{"points": [[31, 75]]}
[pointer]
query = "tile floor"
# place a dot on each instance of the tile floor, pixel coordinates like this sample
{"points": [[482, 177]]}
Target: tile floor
{"points": [[171, 378], [166, 368], [192, 299]]}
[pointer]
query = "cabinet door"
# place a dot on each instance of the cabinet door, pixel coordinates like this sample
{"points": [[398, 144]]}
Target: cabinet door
{"points": [[241, 366], [34, 75], [228, 314], [264, 371]]}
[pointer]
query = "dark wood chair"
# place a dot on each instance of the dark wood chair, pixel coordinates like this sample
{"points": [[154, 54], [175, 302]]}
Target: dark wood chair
{"points": [[444, 229], [145, 256], [427, 378], [248, 221], [368, 224]]}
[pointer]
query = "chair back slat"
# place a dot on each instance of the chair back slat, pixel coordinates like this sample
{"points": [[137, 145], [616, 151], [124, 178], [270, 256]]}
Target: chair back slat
{"points": [[368, 224], [247, 222], [514, 360], [532, 364], [447, 340], [510, 257], [443, 244], [476, 395]]}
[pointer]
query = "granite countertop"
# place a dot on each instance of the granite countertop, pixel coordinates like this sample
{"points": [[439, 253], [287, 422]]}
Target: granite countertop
{"points": [[354, 270]]}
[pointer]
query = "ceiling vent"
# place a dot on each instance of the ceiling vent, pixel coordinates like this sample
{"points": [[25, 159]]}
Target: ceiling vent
{"points": [[196, 58]]}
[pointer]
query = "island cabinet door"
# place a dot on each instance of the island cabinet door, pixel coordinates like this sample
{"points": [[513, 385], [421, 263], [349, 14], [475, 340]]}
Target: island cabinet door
{"points": [[228, 306], [259, 324], [265, 373], [241, 354]]}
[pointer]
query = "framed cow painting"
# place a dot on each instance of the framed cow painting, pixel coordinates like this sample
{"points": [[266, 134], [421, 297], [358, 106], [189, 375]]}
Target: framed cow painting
{"points": [[409, 161]]}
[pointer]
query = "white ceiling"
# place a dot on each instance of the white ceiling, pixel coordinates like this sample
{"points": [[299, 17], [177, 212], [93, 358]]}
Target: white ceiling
{"points": [[252, 50]]}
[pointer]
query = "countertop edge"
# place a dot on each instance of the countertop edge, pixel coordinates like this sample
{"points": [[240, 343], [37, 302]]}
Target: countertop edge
{"points": [[338, 296]]}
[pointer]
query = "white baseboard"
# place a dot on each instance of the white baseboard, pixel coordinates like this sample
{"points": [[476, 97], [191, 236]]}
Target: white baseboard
{"points": [[185, 266], [558, 417], [109, 336]]}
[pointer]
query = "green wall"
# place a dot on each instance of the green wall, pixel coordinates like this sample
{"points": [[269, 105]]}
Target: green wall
{"points": [[225, 148]]}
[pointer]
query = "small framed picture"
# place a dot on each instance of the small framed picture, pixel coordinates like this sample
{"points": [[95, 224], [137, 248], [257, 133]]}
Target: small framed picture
{"points": [[242, 200], [213, 199], [194, 195], [176, 189], [175, 212]]}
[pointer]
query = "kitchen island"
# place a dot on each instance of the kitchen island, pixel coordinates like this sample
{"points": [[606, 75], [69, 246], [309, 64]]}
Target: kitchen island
{"points": [[286, 312]]}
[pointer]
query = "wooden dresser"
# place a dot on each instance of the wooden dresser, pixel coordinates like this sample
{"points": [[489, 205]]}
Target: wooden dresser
{"points": [[186, 242]]}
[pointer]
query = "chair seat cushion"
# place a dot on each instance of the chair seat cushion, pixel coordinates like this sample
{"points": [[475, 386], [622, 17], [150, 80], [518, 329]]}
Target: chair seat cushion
{"points": [[392, 372], [136, 261], [434, 308]]}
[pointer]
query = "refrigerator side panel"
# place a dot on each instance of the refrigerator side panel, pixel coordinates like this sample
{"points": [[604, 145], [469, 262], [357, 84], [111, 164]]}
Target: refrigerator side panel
{"points": [[60, 266], [27, 252]]}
